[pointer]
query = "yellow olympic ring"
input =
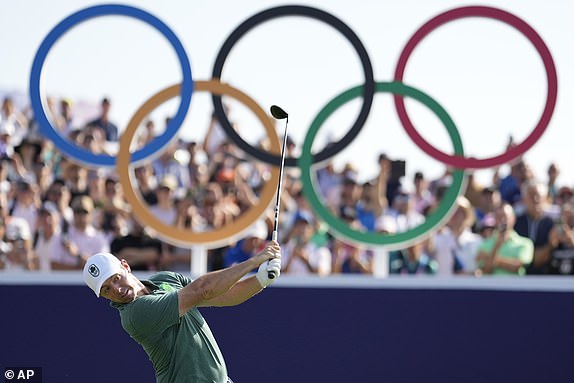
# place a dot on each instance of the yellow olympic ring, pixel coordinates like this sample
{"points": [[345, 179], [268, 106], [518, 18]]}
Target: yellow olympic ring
{"points": [[173, 234]]}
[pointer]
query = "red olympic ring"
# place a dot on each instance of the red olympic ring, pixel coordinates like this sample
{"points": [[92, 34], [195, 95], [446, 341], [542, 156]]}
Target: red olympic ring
{"points": [[461, 162]]}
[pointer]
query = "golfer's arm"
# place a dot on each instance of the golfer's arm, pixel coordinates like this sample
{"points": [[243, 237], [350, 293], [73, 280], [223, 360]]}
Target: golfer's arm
{"points": [[212, 285], [239, 293]]}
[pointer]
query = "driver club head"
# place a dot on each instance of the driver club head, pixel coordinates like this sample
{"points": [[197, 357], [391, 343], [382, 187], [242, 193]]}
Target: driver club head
{"points": [[278, 113]]}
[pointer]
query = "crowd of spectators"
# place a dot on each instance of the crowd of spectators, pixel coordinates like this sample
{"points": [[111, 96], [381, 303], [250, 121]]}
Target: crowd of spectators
{"points": [[55, 213]]}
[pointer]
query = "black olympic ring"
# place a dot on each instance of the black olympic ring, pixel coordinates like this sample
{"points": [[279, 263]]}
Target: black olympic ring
{"points": [[314, 13]]}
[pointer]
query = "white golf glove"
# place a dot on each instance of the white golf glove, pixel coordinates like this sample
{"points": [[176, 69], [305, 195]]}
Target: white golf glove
{"points": [[273, 265]]}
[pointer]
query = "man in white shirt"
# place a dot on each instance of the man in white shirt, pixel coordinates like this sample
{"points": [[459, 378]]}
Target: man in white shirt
{"points": [[49, 244], [83, 239], [455, 245]]}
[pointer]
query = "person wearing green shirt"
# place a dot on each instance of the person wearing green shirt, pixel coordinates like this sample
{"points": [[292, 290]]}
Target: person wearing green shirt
{"points": [[162, 315], [505, 252]]}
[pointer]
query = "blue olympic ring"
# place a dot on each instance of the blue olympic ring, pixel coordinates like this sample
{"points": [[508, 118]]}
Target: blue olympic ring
{"points": [[80, 154]]}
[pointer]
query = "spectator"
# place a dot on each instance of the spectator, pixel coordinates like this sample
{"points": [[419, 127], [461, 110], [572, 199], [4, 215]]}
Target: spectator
{"points": [[303, 257], [65, 121], [138, 248], [488, 201], [76, 177], [147, 183], [240, 196], [92, 139], [83, 239], [164, 210], [26, 203], [486, 226], [48, 242], [212, 209], [251, 243], [402, 213], [17, 252], [59, 194], [510, 186], [43, 175], [536, 224], [167, 165], [350, 194], [295, 206], [349, 258], [423, 199], [197, 166], [564, 196], [412, 260], [505, 252], [455, 245], [28, 152], [96, 186], [147, 135], [329, 185], [9, 113], [103, 122], [115, 211], [368, 206], [562, 242], [10, 160], [441, 183]]}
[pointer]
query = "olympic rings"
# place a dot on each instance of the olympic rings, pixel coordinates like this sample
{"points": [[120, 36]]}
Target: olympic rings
{"points": [[398, 240], [295, 10], [178, 235], [80, 154], [366, 90], [519, 24]]}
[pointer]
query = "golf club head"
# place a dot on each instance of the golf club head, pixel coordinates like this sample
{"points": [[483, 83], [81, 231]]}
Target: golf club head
{"points": [[278, 113]]}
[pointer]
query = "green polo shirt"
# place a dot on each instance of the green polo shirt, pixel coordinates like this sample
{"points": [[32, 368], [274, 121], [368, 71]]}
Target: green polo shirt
{"points": [[515, 247], [182, 350]]}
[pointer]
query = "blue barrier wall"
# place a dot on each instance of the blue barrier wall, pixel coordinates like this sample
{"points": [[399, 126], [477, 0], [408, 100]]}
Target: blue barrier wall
{"points": [[310, 335]]}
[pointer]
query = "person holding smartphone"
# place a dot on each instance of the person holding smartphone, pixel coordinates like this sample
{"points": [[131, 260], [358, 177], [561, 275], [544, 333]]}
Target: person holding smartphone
{"points": [[505, 252], [562, 242]]}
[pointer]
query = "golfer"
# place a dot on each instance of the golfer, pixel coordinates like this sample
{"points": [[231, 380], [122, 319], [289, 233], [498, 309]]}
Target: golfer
{"points": [[161, 313]]}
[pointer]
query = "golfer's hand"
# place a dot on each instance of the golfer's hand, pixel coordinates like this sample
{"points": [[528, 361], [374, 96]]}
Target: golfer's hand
{"points": [[262, 275], [273, 265], [270, 251]]}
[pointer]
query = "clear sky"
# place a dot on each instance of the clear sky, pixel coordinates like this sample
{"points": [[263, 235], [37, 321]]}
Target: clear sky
{"points": [[484, 73]]}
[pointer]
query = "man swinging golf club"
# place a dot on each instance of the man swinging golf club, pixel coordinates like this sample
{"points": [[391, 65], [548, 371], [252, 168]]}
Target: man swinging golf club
{"points": [[162, 315]]}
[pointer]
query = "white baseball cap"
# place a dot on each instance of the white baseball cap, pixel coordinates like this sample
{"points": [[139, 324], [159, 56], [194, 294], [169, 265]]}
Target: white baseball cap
{"points": [[100, 267]]}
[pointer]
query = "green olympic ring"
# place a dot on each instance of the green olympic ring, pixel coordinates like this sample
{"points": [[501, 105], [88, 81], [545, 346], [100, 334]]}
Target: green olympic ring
{"points": [[398, 240]]}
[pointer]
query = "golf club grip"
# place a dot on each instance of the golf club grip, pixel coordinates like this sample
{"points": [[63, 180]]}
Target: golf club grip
{"points": [[271, 274]]}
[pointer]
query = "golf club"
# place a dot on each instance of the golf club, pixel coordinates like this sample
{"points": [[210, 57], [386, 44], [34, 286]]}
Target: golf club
{"points": [[279, 114]]}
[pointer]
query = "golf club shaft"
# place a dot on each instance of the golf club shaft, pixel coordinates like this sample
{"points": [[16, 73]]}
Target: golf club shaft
{"points": [[270, 274]]}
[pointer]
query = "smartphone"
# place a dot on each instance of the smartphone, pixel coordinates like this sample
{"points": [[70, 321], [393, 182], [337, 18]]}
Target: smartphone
{"points": [[398, 169]]}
